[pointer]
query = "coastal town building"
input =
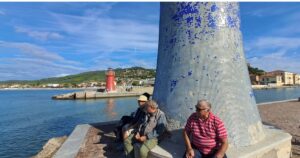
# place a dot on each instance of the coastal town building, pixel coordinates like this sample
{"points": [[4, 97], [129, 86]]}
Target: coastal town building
{"points": [[296, 79], [271, 80], [287, 77], [254, 79]]}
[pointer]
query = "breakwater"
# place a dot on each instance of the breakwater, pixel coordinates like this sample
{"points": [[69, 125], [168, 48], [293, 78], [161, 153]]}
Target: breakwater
{"points": [[92, 95]]}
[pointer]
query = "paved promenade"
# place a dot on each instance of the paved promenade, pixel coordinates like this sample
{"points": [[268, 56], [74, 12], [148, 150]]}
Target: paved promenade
{"points": [[99, 140], [286, 116]]}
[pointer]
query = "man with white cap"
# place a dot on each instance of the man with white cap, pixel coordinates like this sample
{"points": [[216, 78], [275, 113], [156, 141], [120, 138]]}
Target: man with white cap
{"points": [[126, 124], [138, 116]]}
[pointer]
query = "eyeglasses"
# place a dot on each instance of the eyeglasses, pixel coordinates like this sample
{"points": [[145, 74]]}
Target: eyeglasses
{"points": [[198, 109]]}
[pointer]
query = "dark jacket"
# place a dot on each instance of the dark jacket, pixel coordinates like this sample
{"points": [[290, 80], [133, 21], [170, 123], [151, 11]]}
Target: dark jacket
{"points": [[138, 116]]}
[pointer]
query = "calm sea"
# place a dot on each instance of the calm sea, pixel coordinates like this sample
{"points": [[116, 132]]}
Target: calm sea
{"points": [[28, 118]]}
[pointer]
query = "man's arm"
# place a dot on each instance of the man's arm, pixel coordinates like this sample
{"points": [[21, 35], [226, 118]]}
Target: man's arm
{"points": [[224, 145], [189, 149], [187, 140], [157, 131]]}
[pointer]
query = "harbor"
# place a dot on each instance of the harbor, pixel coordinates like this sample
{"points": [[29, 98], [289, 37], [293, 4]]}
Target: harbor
{"points": [[220, 77], [94, 94]]}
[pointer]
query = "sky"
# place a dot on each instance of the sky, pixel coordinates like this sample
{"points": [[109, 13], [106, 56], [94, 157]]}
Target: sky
{"points": [[41, 40]]}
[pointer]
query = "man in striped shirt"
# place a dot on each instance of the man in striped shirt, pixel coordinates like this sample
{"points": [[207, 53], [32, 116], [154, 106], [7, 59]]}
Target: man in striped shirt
{"points": [[204, 134]]}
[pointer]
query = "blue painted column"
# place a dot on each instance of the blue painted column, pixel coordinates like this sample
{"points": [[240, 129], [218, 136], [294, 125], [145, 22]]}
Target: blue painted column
{"points": [[201, 56]]}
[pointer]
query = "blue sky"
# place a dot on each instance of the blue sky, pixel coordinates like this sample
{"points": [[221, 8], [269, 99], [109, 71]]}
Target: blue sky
{"points": [[39, 40]]}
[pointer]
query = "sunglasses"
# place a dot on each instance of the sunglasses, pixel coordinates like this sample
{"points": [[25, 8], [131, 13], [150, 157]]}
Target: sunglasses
{"points": [[198, 109]]}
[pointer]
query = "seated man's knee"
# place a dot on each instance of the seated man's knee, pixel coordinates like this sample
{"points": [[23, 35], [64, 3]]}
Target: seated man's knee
{"points": [[127, 140], [144, 151]]}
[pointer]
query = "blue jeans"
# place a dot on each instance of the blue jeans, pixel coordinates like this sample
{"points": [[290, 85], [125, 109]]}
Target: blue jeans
{"points": [[198, 154]]}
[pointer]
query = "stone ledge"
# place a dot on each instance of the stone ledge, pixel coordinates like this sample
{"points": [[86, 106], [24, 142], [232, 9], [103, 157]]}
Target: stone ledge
{"points": [[72, 145], [277, 144]]}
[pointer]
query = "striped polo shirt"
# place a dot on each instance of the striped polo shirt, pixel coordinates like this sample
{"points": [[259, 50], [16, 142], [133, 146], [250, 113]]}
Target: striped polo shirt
{"points": [[205, 134]]}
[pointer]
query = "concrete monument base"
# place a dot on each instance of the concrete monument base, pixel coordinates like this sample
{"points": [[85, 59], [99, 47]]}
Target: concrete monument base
{"points": [[277, 144]]}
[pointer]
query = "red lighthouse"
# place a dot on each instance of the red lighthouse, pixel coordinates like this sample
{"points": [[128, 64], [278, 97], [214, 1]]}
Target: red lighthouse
{"points": [[110, 80]]}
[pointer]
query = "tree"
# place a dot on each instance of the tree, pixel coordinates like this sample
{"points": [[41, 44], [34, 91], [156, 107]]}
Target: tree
{"points": [[255, 71]]}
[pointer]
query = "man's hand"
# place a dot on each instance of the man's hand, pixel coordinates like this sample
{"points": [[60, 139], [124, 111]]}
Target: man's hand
{"points": [[143, 138], [137, 136], [219, 155], [140, 138], [223, 148], [190, 153]]}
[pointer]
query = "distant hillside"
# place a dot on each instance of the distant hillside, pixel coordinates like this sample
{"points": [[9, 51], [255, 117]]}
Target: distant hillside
{"points": [[98, 76], [133, 73]]}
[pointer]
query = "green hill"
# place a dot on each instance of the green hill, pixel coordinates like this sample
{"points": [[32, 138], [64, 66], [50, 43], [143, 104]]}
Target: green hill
{"points": [[132, 73], [127, 74]]}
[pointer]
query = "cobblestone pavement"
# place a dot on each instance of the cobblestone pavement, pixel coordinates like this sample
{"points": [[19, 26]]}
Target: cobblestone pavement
{"points": [[100, 143], [286, 116]]}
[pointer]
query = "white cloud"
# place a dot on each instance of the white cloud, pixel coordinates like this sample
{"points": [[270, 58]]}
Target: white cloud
{"points": [[271, 11], [94, 34], [277, 61], [99, 10], [29, 68], [61, 75], [275, 53], [290, 25], [104, 63], [109, 34], [147, 63], [39, 35], [273, 43], [32, 50]]}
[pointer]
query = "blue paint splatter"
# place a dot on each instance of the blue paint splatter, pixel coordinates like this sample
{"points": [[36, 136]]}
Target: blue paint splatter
{"points": [[189, 20], [173, 40], [184, 9], [173, 85], [189, 32], [195, 36], [232, 23], [190, 73], [211, 21], [182, 76], [198, 22], [213, 8]]}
